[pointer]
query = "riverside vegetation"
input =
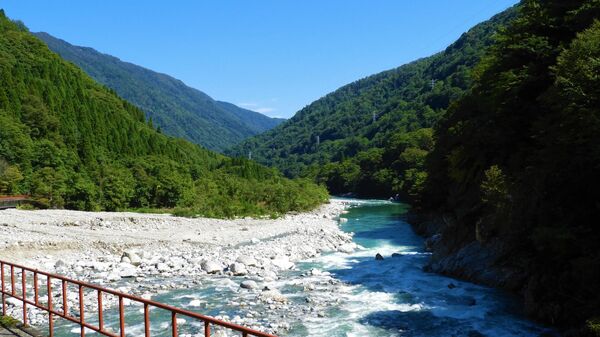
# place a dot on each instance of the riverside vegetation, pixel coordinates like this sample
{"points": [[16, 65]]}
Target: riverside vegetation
{"points": [[71, 142]]}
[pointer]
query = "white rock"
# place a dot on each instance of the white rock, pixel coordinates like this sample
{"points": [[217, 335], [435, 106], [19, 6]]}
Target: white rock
{"points": [[249, 284], [247, 260], [162, 267], [282, 262], [272, 295], [238, 269], [211, 267]]}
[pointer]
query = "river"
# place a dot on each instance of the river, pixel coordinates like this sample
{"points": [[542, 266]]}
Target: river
{"points": [[353, 295]]}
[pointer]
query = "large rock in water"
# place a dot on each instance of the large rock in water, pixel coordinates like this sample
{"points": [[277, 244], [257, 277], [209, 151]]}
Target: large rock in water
{"points": [[211, 267], [272, 295], [249, 284], [379, 257], [238, 269]]}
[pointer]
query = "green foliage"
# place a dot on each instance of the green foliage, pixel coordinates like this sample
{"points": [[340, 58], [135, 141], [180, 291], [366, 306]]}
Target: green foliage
{"points": [[534, 111], [70, 142], [172, 107], [494, 187], [380, 157], [10, 177]]}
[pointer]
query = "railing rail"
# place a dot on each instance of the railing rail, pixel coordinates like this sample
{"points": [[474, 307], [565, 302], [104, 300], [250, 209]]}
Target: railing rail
{"points": [[100, 328]]}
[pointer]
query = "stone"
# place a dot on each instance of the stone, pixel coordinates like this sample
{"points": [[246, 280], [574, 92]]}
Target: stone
{"points": [[282, 262], [125, 259], [162, 267], [378, 257], [396, 255], [238, 269], [249, 284], [247, 260], [272, 295], [60, 264], [211, 267], [114, 276]]}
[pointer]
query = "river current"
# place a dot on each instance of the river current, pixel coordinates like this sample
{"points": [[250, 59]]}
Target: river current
{"points": [[352, 295]]}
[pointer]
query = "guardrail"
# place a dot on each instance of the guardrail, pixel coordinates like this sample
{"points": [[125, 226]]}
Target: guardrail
{"points": [[82, 286], [12, 201]]}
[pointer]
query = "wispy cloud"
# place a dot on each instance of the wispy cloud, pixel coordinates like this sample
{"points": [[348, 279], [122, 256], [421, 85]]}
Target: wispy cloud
{"points": [[264, 110], [260, 108]]}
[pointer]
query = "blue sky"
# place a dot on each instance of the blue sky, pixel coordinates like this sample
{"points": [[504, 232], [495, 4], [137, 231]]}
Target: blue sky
{"points": [[272, 56]]}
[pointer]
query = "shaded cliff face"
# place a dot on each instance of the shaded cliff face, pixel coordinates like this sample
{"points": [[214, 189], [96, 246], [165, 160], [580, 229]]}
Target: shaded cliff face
{"points": [[515, 169]]}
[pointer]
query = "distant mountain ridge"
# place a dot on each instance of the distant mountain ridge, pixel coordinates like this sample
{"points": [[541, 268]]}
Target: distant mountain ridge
{"points": [[179, 110]]}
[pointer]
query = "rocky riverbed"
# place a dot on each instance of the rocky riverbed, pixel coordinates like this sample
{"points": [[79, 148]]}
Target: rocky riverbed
{"points": [[149, 254]]}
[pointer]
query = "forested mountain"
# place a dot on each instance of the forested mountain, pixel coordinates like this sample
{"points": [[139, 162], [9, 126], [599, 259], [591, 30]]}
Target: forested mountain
{"points": [[371, 137], [516, 166], [178, 110], [71, 142]]}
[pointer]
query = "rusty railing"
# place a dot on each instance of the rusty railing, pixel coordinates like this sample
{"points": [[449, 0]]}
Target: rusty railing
{"points": [[82, 286]]}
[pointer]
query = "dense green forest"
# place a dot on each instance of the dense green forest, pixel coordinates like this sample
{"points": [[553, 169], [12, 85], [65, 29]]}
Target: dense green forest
{"points": [[71, 142], [374, 134], [517, 160], [179, 111]]}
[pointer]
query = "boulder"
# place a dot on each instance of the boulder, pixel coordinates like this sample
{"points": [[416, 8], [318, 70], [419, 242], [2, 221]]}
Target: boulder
{"points": [[282, 262], [378, 257], [247, 260], [273, 296], [238, 269], [211, 267], [396, 255], [249, 284], [162, 267]]}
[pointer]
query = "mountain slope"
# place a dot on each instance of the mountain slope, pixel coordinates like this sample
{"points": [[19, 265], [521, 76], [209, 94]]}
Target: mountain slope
{"points": [[71, 142], [177, 109], [373, 134], [516, 167]]}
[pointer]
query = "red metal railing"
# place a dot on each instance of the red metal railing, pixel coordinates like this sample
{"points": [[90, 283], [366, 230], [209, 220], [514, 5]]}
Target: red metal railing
{"points": [[100, 328], [14, 197]]}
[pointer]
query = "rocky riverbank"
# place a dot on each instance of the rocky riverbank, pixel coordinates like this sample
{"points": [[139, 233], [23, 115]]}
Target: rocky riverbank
{"points": [[146, 254]]}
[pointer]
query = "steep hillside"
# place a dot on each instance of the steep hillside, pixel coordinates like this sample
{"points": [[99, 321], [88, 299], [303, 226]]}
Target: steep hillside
{"points": [[371, 137], [71, 142], [516, 167], [177, 109]]}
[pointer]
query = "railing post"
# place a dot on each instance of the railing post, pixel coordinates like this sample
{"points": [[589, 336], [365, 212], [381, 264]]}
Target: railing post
{"points": [[3, 289], [64, 296], [121, 317], [146, 320], [50, 315], [12, 280], [100, 313], [24, 294], [35, 288], [174, 323], [81, 311], [206, 329]]}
